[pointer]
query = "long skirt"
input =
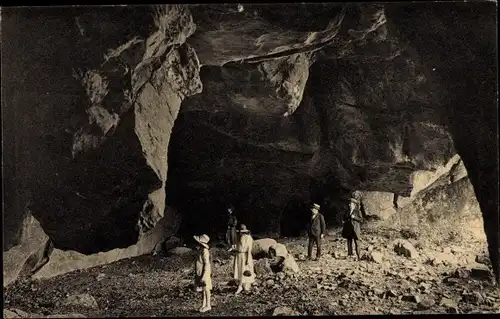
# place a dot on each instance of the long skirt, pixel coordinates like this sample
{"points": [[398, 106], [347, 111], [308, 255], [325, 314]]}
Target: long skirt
{"points": [[240, 267]]}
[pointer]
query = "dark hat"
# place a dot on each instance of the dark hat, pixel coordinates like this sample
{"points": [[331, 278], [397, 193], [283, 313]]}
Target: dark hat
{"points": [[314, 205], [243, 229]]}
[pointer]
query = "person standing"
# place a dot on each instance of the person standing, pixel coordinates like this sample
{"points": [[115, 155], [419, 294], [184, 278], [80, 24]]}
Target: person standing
{"points": [[244, 272], [203, 271], [231, 229], [316, 230], [351, 229]]}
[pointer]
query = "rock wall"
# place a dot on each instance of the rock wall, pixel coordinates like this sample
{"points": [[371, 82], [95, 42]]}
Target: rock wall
{"points": [[444, 214], [382, 205], [65, 261], [442, 208], [93, 99], [462, 56], [300, 103], [379, 205], [23, 257]]}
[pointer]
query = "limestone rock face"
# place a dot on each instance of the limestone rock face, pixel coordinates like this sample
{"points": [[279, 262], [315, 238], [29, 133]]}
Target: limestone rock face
{"points": [[443, 200], [280, 104], [452, 208], [379, 205], [24, 258], [270, 87], [473, 118], [363, 119], [226, 35], [61, 262], [106, 93]]}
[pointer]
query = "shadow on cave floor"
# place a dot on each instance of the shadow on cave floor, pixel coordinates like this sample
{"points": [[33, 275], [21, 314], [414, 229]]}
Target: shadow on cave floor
{"points": [[160, 285]]}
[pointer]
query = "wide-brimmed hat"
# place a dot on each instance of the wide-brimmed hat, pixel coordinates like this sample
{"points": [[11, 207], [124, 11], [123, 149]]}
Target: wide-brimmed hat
{"points": [[203, 240], [316, 206], [243, 229]]}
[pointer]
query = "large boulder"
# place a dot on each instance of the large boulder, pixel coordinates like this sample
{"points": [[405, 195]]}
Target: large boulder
{"points": [[278, 250], [16, 313], [25, 257], [405, 248], [441, 258], [290, 265], [180, 251], [261, 247], [284, 311]]}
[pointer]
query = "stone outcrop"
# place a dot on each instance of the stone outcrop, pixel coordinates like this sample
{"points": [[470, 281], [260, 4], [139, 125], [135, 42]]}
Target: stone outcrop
{"points": [[61, 261], [473, 118], [93, 157], [226, 35], [405, 248], [383, 205], [25, 257], [448, 206], [279, 104], [379, 205], [366, 120]]}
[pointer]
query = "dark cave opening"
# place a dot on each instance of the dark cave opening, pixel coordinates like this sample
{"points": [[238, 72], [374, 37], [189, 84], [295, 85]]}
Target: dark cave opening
{"points": [[294, 218]]}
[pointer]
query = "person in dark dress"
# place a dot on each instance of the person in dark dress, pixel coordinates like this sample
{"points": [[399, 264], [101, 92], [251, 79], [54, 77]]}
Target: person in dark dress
{"points": [[351, 229], [231, 229], [316, 230]]}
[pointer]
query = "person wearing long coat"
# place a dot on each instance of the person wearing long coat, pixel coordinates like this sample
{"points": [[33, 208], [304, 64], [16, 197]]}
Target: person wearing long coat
{"points": [[316, 229], [231, 236], [351, 229], [244, 272]]}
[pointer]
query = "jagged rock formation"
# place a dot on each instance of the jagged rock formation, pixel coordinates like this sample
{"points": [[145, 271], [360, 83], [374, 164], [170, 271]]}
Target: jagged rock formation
{"points": [[383, 205], [106, 92], [443, 200], [22, 259], [281, 105], [463, 58]]}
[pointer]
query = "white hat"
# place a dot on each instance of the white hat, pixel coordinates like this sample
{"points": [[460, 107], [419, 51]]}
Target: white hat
{"points": [[314, 205], [203, 240]]}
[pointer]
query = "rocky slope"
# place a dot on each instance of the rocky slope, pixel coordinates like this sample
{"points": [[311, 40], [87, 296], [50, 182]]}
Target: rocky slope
{"points": [[162, 285], [274, 106]]}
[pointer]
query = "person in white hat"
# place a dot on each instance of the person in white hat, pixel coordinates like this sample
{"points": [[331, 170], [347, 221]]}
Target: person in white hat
{"points": [[244, 272], [316, 229], [351, 229], [203, 271]]}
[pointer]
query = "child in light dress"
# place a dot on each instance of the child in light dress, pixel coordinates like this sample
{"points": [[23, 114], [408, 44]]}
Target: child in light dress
{"points": [[203, 271]]}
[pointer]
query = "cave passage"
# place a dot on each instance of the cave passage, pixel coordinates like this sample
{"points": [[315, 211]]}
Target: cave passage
{"points": [[267, 117]]}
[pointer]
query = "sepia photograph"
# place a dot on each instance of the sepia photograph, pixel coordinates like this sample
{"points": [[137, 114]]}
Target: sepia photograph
{"points": [[250, 159]]}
